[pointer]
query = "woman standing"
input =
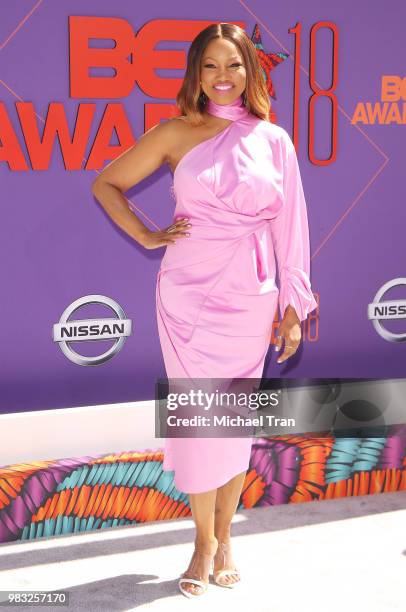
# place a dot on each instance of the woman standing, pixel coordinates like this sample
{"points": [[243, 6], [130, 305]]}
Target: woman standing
{"points": [[240, 208]]}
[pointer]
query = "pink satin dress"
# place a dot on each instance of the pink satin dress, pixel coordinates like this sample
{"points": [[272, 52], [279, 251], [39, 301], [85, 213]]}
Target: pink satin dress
{"points": [[216, 295]]}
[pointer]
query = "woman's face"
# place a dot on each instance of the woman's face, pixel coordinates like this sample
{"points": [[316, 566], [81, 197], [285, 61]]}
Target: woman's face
{"points": [[222, 65]]}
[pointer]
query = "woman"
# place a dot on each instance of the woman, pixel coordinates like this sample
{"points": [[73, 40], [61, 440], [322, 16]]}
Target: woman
{"points": [[239, 204]]}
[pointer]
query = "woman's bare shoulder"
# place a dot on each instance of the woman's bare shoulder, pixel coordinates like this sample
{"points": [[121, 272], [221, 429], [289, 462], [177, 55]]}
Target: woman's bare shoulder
{"points": [[168, 131], [178, 124], [165, 134]]}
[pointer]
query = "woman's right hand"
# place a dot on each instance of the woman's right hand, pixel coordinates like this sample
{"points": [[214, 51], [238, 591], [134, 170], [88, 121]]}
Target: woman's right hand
{"points": [[154, 240]]}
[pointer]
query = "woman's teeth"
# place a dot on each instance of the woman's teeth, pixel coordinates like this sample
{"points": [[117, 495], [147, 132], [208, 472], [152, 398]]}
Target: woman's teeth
{"points": [[223, 87]]}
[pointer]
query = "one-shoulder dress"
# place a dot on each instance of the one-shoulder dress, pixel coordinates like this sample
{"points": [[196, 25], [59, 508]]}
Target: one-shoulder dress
{"points": [[216, 295]]}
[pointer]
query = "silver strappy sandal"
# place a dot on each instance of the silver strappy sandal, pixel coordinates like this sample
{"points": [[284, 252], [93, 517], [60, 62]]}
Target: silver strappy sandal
{"points": [[208, 564], [225, 548]]}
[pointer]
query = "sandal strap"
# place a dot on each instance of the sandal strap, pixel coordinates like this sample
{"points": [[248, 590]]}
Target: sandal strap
{"points": [[226, 548], [208, 563], [226, 571], [194, 581]]}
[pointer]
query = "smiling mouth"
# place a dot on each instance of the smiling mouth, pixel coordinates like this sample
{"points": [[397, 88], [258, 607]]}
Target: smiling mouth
{"points": [[223, 87]]}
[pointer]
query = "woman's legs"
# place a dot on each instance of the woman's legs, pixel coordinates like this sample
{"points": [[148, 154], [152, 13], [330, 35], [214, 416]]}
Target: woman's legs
{"points": [[226, 505], [212, 513], [202, 506]]}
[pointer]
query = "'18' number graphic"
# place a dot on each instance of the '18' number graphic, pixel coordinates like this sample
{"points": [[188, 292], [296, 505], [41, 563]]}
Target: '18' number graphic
{"points": [[318, 92]]}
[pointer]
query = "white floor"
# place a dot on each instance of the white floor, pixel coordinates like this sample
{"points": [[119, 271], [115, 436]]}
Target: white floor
{"points": [[337, 555]]}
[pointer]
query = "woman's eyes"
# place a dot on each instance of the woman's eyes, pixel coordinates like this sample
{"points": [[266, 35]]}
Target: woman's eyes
{"points": [[235, 64]]}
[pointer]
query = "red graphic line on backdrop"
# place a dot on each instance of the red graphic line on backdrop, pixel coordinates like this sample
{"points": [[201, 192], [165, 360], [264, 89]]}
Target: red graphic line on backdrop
{"points": [[28, 15], [84, 159], [43, 121], [341, 219], [19, 98], [371, 142]]}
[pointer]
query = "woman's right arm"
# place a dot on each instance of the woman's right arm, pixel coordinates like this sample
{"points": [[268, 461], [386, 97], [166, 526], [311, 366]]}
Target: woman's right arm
{"points": [[135, 164]]}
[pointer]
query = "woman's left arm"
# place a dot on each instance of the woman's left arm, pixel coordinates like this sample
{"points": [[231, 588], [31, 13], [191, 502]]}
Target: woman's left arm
{"points": [[290, 236]]}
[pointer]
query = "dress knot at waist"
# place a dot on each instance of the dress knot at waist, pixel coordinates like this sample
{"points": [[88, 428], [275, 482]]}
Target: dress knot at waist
{"points": [[199, 248]]}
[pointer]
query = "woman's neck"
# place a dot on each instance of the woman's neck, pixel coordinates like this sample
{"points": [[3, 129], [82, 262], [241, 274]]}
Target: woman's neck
{"points": [[232, 110]]}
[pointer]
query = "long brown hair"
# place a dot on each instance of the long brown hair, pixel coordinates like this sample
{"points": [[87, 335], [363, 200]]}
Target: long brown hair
{"points": [[189, 99]]}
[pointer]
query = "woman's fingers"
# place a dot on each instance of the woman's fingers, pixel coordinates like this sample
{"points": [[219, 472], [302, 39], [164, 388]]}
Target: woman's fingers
{"points": [[288, 352], [180, 223], [278, 344], [290, 347], [173, 234], [177, 230], [169, 235]]}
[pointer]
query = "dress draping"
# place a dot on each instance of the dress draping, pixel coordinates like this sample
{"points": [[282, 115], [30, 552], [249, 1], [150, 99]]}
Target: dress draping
{"points": [[216, 294]]}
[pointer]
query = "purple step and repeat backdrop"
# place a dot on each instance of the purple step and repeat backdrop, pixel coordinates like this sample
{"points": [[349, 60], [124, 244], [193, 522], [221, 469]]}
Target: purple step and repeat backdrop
{"points": [[81, 81]]}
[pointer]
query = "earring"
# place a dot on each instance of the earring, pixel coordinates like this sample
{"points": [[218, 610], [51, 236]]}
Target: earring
{"points": [[202, 97], [244, 98]]}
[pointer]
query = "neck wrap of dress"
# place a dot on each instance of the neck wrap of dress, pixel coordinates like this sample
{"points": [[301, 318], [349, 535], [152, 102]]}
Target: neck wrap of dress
{"points": [[234, 110]]}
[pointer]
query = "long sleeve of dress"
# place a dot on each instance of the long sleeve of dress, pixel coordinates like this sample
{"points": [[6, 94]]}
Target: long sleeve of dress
{"points": [[290, 236]]}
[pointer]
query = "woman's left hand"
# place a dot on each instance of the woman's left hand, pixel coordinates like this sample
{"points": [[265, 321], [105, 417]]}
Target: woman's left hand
{"points": [[289, 330]]}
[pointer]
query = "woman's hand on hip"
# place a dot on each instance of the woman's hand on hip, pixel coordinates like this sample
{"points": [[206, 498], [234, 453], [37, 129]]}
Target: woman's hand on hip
{"points": [[290, 331], [154, 240]]}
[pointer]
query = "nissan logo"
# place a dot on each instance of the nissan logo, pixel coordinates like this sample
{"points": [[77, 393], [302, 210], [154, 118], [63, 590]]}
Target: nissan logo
{"points": [[72, 330], [380, 310]]}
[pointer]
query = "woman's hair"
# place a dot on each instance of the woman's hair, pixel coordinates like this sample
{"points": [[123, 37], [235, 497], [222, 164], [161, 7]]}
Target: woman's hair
{"points": [[189, 100]]}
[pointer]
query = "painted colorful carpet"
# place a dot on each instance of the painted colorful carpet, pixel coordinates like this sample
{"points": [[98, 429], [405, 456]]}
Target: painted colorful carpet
{"points": [[47, 498]]}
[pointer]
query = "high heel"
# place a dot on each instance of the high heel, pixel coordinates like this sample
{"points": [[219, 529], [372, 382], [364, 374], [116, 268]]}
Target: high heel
{"points": [[217, 575], [202, 581]]}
